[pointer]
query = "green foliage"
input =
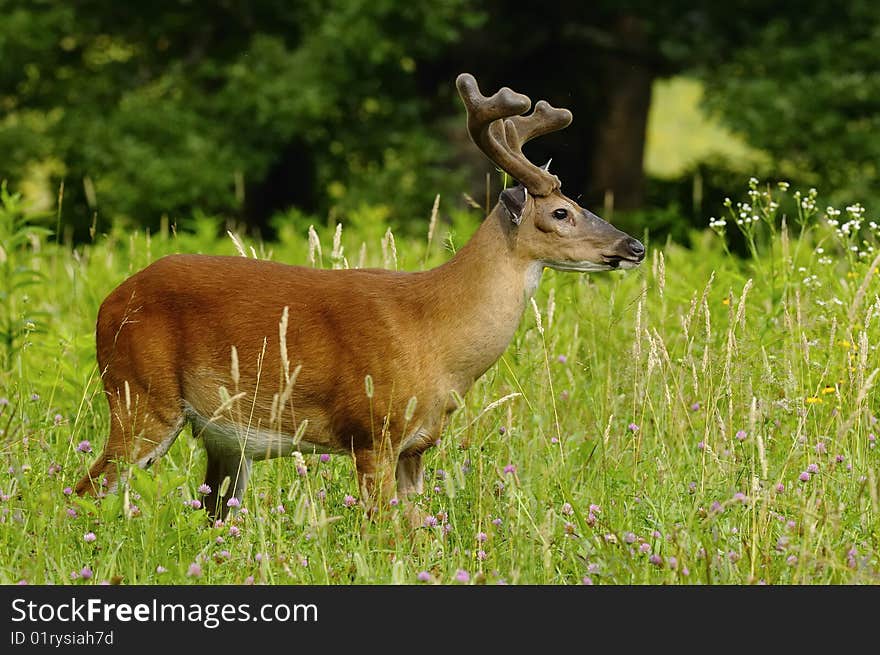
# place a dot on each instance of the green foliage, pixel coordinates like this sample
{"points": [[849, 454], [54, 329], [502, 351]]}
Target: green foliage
{"points": [[164, 108], [680, 136], [246, 109], [803, 86], [703, 419], [20, 242]]}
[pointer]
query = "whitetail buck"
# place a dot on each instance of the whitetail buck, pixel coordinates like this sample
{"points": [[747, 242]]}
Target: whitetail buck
{"points": [[168, 335]]}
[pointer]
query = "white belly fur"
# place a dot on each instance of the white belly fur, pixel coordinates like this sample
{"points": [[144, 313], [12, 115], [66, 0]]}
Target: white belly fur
{"points": [[223, 436]]}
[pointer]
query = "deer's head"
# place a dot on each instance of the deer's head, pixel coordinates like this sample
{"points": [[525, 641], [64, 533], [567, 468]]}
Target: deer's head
{"points": [[547, 226]]}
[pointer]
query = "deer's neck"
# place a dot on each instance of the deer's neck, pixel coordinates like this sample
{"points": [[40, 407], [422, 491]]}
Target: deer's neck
{"points": [[479, 299]]}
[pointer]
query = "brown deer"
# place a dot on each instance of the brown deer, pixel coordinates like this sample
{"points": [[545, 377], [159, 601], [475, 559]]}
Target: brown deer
{"points": [[265, 359]]}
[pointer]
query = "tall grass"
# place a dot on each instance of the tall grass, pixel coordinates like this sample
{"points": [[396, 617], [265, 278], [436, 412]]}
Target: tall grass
{"points": [[704, 419]]}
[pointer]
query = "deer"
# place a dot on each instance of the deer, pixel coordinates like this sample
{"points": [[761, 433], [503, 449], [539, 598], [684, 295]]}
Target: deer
{"points": [[367, 363]]}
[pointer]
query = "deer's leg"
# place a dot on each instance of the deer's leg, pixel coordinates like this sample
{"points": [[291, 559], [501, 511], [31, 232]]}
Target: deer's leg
{"points": [[410, 483], [224, 464], [375, 471], [142, 429], [410, 475]]}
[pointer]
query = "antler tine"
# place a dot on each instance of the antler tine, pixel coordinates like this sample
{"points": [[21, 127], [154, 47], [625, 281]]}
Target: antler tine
{"points": [[483, 110], [521, 129], [543, 120], [500, 139]]}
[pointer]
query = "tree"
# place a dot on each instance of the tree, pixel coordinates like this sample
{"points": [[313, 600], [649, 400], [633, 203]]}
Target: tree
{"points": [[251, 107], [804, 86], [166, 107]]}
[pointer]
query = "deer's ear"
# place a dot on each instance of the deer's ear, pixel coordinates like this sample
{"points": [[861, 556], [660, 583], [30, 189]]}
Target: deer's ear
{"points": [[514, 201]]}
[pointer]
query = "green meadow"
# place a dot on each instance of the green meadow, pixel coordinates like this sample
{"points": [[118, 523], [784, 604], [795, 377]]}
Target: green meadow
{"points": [[708, 418]]}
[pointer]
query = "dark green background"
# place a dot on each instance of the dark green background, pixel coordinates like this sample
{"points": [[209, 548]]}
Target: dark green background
{"points": [[246, 109]]}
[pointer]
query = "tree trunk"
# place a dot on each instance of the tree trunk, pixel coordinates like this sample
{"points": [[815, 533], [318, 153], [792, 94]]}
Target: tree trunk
{"points": [[290, 181], [617, 161]]}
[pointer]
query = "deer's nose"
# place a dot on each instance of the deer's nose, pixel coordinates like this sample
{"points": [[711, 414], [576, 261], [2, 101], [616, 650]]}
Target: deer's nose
{"points": [[635, 248]]}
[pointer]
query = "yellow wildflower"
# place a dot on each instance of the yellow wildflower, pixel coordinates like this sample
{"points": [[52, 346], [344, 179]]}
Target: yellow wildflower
{"points": [[812, 400]]}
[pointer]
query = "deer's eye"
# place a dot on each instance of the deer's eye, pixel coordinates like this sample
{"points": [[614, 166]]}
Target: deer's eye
{"points": [[560, 213]]}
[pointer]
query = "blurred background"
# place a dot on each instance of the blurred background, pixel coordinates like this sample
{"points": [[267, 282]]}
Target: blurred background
{"points": [[278, 112]]}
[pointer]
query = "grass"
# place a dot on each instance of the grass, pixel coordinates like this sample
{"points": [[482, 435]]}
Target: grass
{"points": [[702, 420]]}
